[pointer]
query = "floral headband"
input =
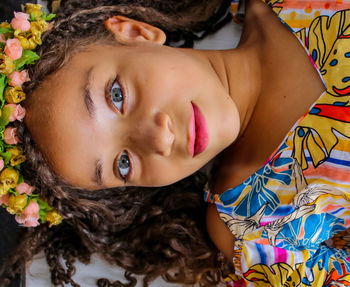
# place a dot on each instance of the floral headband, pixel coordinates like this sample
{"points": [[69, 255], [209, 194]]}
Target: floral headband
{"points": [[18, 39]]}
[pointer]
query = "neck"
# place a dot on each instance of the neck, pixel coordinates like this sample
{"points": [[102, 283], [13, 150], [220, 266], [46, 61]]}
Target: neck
{"points": [[239, 71], [243, 80]]}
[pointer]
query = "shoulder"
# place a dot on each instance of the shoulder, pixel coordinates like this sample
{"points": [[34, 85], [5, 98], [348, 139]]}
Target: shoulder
{"points": [[237, 163], [219, 233]]}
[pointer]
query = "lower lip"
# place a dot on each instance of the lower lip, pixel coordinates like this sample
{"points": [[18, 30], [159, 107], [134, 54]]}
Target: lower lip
{"points": [[199, 135]]}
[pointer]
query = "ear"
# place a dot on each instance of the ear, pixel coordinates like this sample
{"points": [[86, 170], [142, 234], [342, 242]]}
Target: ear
{"points": [[128, 31]]}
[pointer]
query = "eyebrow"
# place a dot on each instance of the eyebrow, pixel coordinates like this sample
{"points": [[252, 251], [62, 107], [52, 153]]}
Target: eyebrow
{"points": [[98, 173], [89, 103], [90, 106]]}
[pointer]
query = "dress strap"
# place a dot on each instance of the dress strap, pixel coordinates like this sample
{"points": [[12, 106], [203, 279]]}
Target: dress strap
{"points": [[211, 197]]}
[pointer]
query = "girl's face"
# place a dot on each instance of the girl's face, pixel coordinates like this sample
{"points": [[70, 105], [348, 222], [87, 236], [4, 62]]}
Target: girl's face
{"points": [[128, 115]]}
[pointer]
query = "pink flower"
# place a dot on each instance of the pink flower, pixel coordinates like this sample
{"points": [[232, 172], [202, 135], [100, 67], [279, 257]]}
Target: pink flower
{"points": [[2, 38], [18, 78], [27, 222], [25, 188], [20, 21], [2, 164], [10, 135], [30, 215], [18, 112], [5, 199], [13, 49]]}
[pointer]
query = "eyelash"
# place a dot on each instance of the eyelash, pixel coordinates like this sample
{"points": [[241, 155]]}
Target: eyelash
{"points": [[124, 177], [109, 95], [120, 109]]}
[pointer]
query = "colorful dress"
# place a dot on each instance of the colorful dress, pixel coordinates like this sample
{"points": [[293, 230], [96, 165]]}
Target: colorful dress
{"points": [[291, 219]]}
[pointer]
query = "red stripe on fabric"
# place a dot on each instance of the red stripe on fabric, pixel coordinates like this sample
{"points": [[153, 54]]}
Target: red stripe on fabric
{"points": [[339, 113]]}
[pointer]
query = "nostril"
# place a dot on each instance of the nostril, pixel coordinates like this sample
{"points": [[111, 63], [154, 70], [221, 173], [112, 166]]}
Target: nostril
{"points": [[171, 139], [170, 125], [166, 144]]}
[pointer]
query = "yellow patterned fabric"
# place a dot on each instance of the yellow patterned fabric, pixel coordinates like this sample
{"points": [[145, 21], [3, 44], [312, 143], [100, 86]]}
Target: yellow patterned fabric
{"points": [[291, 219]]}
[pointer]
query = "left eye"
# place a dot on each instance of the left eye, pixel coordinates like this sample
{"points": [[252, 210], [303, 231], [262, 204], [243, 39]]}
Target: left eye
{"points": [[124, 165], [116, 96]]}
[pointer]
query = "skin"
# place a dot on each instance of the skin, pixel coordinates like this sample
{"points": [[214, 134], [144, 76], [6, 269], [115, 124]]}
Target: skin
{"points": [[159, 84], [238, 92], [290, 85]]}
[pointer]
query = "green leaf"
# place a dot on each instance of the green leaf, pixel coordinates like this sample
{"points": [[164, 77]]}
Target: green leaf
{"points": [[20, 179], [5, 116], [43, 16], [32, 17], [17, 167], [44, 205], [2, 45], [4, 30], [28, 57], [2, 143], [42, 216], [2, 88], [50, 17], [13, 191], [6, 157], [47, 18]]}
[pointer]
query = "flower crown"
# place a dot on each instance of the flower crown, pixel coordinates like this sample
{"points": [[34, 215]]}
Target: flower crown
{"points": [[18, 39]]}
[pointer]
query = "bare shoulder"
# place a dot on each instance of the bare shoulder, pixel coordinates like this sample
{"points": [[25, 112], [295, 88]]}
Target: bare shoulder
{"points": [[219, 233], [241, 159], [234, 168], [237, 163]]}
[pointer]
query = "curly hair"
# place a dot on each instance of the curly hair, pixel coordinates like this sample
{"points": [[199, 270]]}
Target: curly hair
{"points": [[149, 231]]}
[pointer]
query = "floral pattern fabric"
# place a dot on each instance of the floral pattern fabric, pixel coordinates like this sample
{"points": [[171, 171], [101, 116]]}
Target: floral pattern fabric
{"points": [[291, 219]]}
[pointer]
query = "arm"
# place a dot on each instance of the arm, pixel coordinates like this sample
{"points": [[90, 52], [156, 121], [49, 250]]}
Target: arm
{"points": [[219, 233]]}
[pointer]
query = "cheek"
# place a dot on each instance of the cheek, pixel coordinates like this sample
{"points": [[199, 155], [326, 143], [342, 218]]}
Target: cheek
{"points": [[164, 172], [162, 73]]}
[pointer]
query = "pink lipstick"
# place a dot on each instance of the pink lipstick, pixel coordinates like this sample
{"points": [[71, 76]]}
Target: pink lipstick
{"points": [[199, 135]]}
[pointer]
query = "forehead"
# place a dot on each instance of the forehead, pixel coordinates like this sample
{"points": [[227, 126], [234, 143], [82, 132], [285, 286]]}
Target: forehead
{"points": [[57, 119], [70, 78]]}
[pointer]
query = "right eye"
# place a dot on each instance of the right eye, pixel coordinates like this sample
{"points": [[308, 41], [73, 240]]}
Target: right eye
{"points": [[116, 96], [124, 165]]}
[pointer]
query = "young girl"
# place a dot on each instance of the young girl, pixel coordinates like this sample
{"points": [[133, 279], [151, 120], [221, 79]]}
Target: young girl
{"points": [[111, 110]]}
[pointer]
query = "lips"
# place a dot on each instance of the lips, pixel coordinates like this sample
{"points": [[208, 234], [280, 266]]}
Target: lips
{"points": [[199, 135]]}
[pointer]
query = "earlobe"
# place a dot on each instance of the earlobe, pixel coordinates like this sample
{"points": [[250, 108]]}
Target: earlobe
{"points": [[128, 31]]}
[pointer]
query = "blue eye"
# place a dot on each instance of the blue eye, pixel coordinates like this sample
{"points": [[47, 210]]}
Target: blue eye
{"points": [[124, 165], [116, 96]]}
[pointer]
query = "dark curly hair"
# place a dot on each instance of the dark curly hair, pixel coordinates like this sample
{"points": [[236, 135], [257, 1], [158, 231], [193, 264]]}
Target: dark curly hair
{"points": [[149, 231]]}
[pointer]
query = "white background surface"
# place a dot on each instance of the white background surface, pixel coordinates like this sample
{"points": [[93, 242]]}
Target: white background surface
{"points": [[38, 274]]}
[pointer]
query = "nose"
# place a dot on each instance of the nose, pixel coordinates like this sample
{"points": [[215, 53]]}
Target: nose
{"points": [[155, 134]]}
